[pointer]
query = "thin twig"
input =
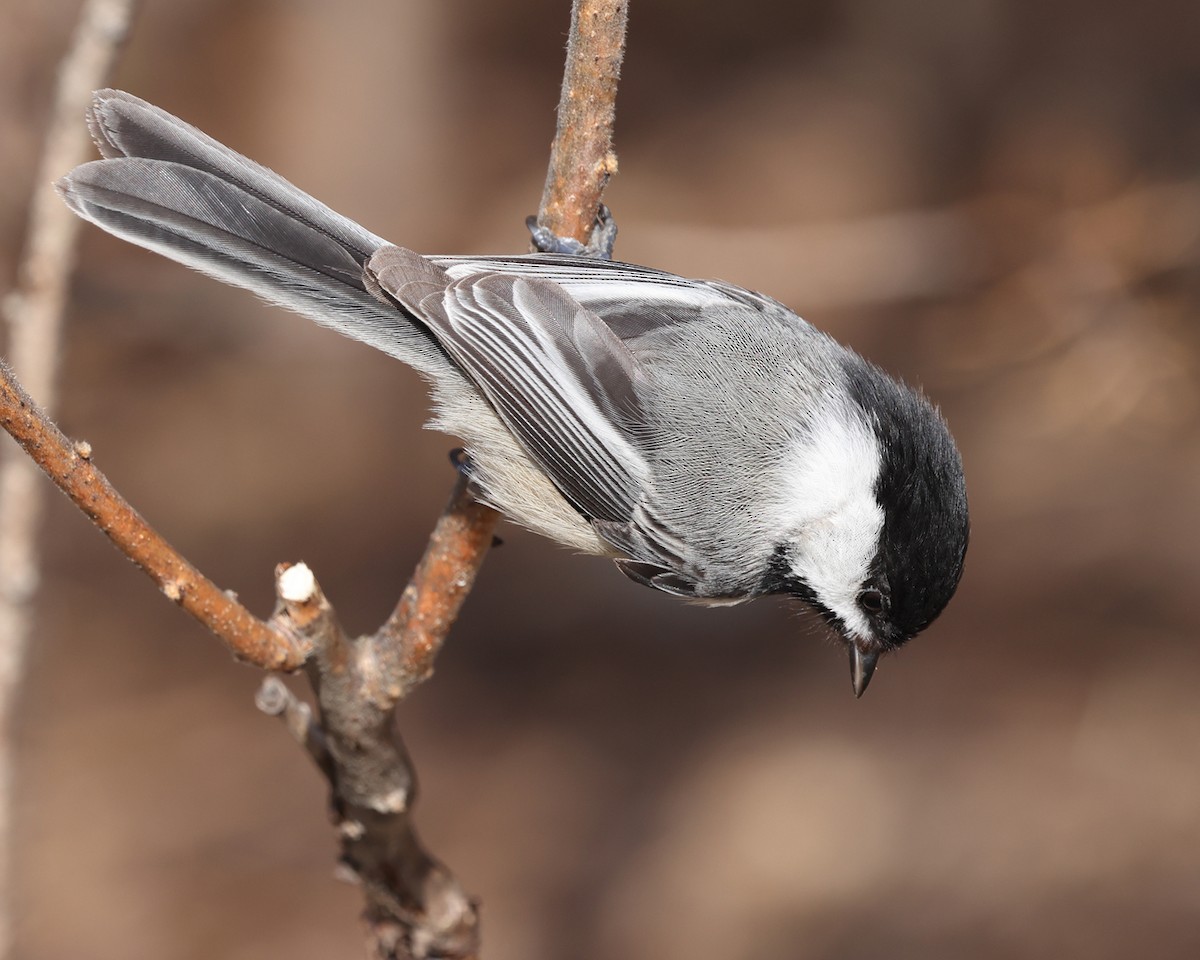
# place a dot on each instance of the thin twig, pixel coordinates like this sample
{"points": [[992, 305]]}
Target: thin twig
{"points": [[276, 700], [414, 633], [582, 158], [69, 465], [34, 314]]}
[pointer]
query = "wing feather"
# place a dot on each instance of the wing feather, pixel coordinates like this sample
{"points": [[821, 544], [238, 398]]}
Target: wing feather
{"points": [[563, 383], [631, 300]]}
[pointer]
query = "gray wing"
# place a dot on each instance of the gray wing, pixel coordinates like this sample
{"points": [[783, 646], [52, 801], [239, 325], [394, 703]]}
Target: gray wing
{"points": [[568, 387], [560, 380], [628, 305], [631, 300]]}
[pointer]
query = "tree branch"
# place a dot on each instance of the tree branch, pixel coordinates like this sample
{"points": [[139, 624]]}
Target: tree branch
{"points": [[70, 466], [413, 635], [582, 158]]}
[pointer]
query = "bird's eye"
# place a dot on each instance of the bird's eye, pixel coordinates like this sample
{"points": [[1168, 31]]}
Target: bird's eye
{"points": [[871, 600]]}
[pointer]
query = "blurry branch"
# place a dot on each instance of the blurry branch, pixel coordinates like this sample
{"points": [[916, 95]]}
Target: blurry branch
{"points": [[34, 315], [886, 258], [940, 252], [414, 906], [1143, 232], [1105, 310]]}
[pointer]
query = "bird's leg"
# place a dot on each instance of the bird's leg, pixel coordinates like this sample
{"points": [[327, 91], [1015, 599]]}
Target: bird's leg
{"points": [[599, 245], [461, 461]]}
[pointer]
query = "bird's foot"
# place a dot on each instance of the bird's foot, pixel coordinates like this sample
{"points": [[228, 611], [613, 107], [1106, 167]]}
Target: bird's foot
{"points": [[599, 246], [461, 461]]}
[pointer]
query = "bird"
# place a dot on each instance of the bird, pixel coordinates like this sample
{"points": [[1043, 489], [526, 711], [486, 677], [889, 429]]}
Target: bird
{"points": [[710, 442]]}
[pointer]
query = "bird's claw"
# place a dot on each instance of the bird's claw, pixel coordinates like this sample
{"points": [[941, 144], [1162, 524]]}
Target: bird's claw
{"points": [[599, 246], [461, 461]]}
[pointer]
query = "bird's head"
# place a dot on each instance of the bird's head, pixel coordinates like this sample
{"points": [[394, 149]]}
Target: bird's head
{"points": [[879, 524]]}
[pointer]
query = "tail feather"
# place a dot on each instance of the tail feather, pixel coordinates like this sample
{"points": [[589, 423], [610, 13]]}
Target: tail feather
{"points": [[168, 187], [125, 126]]}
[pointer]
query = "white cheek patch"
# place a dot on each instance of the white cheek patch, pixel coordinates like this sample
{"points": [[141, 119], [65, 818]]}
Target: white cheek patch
{"points": [[833, 515]]}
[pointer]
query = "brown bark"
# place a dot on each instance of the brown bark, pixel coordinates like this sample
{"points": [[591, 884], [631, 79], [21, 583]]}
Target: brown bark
{"points": [[582, 158]]}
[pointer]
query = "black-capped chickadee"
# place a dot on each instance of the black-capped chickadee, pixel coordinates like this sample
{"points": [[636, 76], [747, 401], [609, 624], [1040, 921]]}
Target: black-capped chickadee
{"points": [[711, 442]]}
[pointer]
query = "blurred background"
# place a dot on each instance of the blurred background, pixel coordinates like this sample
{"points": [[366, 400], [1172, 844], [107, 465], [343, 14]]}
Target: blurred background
{"points": [[997, 199]]}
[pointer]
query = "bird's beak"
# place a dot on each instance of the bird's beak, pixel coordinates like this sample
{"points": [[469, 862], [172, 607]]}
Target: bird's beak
{"points": [[862, 666]]}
